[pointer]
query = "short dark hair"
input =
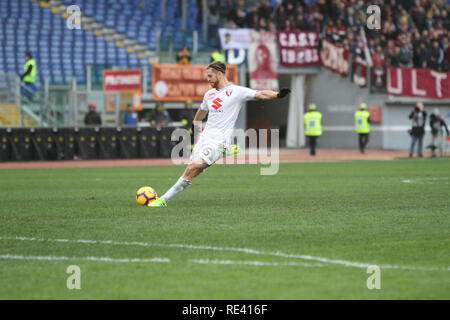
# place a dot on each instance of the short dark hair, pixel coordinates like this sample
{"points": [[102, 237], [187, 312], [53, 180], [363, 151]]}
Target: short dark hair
{"points": [[218, 66], [28, 54]]}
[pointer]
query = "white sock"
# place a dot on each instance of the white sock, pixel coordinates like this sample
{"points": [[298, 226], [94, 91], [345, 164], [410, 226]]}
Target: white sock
{"points": [[179, 186]]}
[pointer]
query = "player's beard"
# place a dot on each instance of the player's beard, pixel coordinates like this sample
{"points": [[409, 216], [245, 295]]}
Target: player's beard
{"points": [[215, 85]]}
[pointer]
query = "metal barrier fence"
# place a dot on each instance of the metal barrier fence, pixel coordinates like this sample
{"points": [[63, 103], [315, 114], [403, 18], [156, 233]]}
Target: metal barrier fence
{"points": [[108, 105], [9, 100], [73, 143]]}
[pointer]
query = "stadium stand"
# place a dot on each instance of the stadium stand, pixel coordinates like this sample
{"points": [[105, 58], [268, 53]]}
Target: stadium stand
{"points": [[61, 53]]}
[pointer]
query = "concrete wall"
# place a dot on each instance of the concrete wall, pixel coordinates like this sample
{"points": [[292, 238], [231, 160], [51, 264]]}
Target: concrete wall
{"points": [[337, 98]]}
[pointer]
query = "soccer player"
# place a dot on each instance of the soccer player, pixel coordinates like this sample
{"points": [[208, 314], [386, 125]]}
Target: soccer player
{"points": [[222, 104]]}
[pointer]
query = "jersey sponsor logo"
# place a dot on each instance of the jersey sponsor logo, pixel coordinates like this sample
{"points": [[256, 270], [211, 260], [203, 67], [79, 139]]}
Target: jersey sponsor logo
{"points": [[216, 104]]}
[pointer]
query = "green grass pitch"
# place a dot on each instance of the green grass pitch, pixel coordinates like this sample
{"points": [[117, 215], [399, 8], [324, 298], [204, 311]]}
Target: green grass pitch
{"points": [[308, 232]]}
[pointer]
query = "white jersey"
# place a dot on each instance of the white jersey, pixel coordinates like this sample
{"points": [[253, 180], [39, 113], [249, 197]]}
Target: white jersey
{"points": [[224, 106]]}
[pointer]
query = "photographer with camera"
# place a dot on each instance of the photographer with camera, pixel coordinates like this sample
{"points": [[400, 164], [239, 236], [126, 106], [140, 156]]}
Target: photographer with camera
{"points": [[437, 125], [418, 117]]}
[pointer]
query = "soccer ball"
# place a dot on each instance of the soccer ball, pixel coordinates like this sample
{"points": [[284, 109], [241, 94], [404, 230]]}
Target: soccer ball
{"points": [[145, 195]]}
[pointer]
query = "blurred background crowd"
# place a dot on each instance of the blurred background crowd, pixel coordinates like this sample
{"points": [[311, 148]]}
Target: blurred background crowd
{"points": [[413, 33]]}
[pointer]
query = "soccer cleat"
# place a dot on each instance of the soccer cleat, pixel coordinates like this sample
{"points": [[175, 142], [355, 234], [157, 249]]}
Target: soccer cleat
{"points": [[234, 149], [159, 202]]}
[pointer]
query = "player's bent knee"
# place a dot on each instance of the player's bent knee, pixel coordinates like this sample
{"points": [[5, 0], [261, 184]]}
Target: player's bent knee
{"points": [[194, 169]]}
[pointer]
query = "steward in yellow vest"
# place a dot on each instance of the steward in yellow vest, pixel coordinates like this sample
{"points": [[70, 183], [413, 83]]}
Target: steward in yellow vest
{"points": [[29, 76], [217, 56], [362, 126], [313, 127]]}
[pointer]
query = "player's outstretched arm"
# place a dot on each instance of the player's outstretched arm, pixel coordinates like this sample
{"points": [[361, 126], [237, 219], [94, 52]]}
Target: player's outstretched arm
{"points": [[269, 94], [200, 115]]}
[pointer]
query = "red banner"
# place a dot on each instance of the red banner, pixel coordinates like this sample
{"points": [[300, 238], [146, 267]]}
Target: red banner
{"points": [[128, 82], [334, 57], [176, 82], [263, 60], [425, 83], [122, 80], [298, 48], [375, 113], [360, 72]]}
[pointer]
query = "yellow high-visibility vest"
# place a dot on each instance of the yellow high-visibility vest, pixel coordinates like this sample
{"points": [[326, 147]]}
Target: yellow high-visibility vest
{"points": [[31, 77], [362, 121], [313, 123], [217, 56]]}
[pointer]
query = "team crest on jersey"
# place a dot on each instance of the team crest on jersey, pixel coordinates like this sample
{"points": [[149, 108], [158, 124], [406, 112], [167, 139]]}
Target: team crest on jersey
{"points": [[229, 92], [211, 96], [217, 103]]}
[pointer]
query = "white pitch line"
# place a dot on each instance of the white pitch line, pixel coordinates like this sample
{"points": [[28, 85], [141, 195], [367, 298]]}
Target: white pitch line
{"points": [[256, 263], [102, 259], [232, 249]]}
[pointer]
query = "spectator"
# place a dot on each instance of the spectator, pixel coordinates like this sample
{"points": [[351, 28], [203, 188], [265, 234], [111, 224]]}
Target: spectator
{"points": [[429, 20], [184, 56], [262, 25], [289, 6], [130, 117], [446, 49], [251, 18], [445, 20], [160, 116], [310, 23], [419, 17], [265, 10], [281, 18], [300, 23], [378, 57], [437, 124], [238, 14], [436, 56], [92, 117], [421, 56], [406, 54], [418, 117], [389, 28]]}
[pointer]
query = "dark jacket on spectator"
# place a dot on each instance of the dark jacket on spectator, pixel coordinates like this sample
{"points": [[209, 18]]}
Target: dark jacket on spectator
{"points": [[418, 122], [92, 117]]}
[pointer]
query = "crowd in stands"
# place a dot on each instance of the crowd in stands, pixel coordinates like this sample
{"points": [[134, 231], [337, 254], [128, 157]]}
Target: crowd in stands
{"points": [[413, 33]]}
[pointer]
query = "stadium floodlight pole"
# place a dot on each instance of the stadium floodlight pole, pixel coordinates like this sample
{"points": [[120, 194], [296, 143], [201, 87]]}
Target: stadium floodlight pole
{"points": [[205, 20], [46, 101], [88, 77], [195, 42], [163, 10], [158, 43], [144, 79], [18, 97], [184, 14]]}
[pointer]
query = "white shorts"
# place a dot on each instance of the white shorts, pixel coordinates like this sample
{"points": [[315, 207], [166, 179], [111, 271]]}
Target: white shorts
{"points": [[209, 149]]}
